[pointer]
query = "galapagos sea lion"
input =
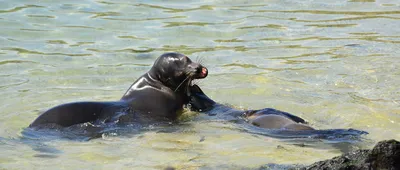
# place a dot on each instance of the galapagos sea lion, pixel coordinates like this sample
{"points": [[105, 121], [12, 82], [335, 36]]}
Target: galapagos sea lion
{"points": [[159, 94]]}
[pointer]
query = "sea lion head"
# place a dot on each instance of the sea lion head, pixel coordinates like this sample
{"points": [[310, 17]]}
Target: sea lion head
{"points": [[177, 71]]}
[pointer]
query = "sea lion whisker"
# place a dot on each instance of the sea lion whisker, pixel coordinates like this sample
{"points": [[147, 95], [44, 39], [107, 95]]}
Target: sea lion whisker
{"points": [[196, 82], [200, 60], [193, 82], [181, 83]]}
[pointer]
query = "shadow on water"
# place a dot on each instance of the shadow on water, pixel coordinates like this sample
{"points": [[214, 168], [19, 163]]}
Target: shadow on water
{"points": [[37, 138]]}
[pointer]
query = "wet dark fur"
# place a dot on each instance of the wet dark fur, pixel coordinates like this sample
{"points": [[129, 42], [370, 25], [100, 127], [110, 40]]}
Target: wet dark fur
{"points": [[157, 95]]}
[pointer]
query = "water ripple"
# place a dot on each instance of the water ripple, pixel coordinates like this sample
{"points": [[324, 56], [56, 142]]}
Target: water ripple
{"points": [[41, 16], [132, 37], [273, 26], [16, 62], [230, 40], [82, 26], [177, 24], [346, 19], [302, 55], [333, 25], [11, 82], [366, 38], [305, 61], [24, 51], [103, 14], [130, 50], [106, 2], [20, 8], [56, 42], [177, 10], [144, 19], [182, 48], [292, 39], [39, 30], [366, 13], [81, 43]]}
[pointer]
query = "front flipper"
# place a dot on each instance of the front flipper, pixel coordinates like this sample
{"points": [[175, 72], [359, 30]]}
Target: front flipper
{"points": [[199, 101]]}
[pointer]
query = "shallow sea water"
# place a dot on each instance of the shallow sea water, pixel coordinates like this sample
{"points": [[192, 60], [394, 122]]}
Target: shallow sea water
{"points": [[335, 64]]}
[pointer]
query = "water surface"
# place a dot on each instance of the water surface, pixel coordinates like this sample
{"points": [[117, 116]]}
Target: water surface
{"points": [[335, 64]]}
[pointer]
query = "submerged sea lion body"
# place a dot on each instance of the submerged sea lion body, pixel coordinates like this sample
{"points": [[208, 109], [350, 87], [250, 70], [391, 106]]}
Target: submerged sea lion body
{"points": [[265, 118], [276, 122], [267, 121], [274, 119], [157, 95]]}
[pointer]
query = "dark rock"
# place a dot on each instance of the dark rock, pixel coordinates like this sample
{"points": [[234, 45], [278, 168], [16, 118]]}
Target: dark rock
{"points": [[385, 155]]}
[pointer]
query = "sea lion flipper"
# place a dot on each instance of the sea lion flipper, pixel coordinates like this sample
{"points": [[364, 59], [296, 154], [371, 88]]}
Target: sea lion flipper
{"points": [[286, 114], [71, 113], [198, 100]]}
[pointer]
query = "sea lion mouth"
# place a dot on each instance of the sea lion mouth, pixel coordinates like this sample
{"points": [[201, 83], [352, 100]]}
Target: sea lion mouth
{"points": [[201, 73]]}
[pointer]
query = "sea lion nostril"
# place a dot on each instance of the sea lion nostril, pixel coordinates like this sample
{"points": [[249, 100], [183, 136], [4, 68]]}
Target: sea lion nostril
{"points": [[204, 70]]}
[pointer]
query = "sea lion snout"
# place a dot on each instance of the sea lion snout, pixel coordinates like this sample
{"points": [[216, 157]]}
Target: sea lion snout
{"points": [[197, 70], [202, 72]]}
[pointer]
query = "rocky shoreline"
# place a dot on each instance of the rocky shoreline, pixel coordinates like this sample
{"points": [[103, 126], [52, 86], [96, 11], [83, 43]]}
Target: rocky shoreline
{"points": [[384, 155]]}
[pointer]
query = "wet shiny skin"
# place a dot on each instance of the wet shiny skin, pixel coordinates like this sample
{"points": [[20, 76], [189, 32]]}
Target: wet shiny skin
{"points": [[159, 94], [276, 122]]}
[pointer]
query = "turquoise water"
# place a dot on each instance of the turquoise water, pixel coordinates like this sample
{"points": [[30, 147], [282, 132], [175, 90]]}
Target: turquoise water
{"points": [[336, 64]]}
